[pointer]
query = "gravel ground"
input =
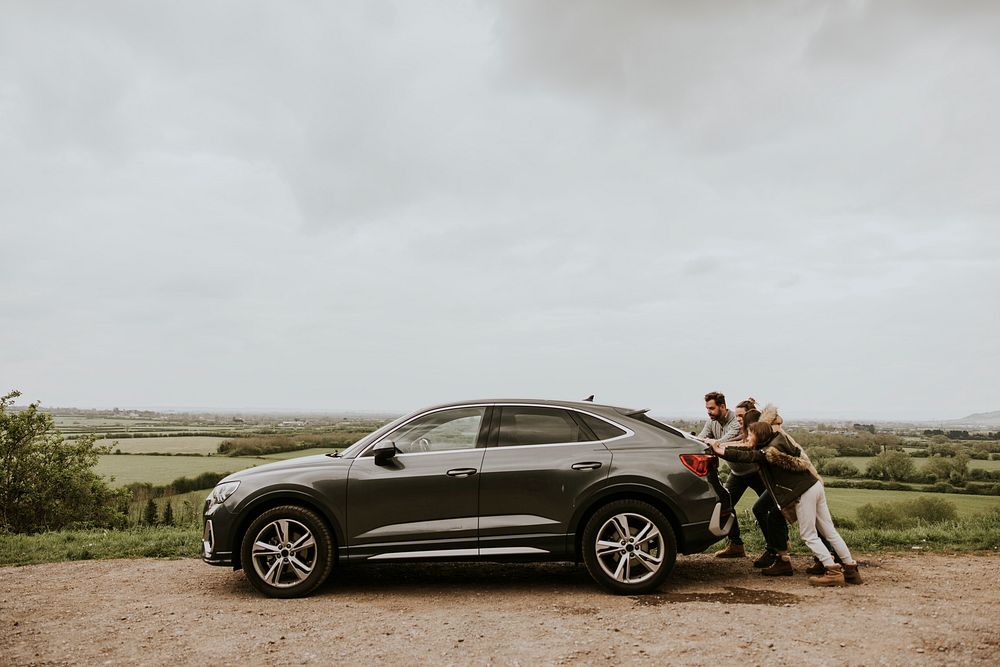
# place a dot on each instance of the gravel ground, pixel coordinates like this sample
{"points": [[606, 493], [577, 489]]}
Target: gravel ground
{"points": [[912, 610]]}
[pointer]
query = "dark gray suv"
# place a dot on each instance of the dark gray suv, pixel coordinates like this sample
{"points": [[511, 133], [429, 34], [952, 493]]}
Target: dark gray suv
{"points": [[489, 480]]}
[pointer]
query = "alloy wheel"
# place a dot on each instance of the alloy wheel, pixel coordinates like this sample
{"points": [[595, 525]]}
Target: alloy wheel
{"points": [[629, 548], [284, 553]]}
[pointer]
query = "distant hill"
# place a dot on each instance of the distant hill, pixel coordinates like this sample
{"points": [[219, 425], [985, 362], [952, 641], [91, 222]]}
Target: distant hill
{"points": [[984, 418]]}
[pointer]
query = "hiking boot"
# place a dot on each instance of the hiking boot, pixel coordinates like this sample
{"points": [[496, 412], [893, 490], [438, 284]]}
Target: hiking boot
{"points": [[817, 568], [781, 567], [851, 574], [732, 550], [834, 576], [766, 559]]}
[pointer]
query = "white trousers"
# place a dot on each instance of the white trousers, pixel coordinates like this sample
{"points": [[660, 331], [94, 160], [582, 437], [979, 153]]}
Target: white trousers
{"points": [[813, 515]]}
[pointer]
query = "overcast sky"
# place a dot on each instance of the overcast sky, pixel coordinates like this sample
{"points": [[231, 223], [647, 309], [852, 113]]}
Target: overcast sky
{"points": [[380, 205]]}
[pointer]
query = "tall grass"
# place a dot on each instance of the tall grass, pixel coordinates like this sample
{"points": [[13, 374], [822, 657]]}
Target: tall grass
{"points": [[974, 532], [158, 542], [978, 532]]}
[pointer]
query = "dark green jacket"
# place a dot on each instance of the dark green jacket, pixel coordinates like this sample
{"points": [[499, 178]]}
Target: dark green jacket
{"points": [[786, 474]]}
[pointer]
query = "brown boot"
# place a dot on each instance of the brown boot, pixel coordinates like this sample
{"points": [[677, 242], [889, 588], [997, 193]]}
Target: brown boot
{"points": [[781, 567], [834, 576], [851, 574], [731, 551], [816, 568]]}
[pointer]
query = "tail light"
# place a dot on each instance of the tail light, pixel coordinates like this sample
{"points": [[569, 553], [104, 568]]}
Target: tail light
{"points": [[700, 464]]}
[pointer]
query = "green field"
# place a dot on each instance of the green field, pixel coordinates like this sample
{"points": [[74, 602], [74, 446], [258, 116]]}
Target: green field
{"points": [[165, 469], [845, 502], [862, 462], [198, 444]]}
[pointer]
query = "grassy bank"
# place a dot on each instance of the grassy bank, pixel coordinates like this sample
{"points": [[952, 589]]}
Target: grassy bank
{"points": [[159, 542], [978, 532]]}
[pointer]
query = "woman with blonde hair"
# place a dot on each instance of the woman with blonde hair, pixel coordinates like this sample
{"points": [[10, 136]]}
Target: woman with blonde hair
{"points": [[796, 487]]}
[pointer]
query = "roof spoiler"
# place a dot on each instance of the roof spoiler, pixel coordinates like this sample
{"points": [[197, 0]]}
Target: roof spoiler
{"points": [[636, 413]]}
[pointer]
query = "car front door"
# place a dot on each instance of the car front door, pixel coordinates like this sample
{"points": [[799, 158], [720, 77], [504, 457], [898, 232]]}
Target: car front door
{"points": [[423, 502], [542, 461]]}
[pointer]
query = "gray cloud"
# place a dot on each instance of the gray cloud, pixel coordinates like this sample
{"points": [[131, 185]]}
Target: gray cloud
{"points": [[378, 205]]}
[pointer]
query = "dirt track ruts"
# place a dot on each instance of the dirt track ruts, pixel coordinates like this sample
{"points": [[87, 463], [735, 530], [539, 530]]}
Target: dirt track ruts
{"points": [[912, 610]]}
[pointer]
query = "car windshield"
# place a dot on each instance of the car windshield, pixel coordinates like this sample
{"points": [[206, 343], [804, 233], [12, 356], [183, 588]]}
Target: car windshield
{"points": [[358, 446]]}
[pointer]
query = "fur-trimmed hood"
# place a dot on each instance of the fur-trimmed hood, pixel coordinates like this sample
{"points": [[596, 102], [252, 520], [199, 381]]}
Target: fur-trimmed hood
{"points": [[782, 451], [769, 415], [776, 457]]}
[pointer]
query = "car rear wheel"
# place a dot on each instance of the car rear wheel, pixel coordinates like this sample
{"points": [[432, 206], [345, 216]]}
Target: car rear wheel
{"points": [[287, 552], [629, 547]]}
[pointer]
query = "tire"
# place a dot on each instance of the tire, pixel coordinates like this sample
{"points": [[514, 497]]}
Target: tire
{"points": [[629, 547], [287, 552]]}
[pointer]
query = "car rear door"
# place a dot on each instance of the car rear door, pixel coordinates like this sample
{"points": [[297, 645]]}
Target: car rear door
{"points": [[540, 459], [424, 502]]}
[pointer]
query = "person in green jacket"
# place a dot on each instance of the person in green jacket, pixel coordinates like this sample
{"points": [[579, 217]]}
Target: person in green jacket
{"points": [[798, 491]]}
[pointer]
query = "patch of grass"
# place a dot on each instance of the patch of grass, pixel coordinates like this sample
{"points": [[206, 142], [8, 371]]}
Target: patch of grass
{"points": [[159, 542], [198, 444], [845, 502], [977, 527], [978, 532], [165, 469]]}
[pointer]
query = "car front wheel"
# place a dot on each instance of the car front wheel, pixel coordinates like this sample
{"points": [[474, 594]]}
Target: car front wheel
{"points": [[629, 547], [287, 552]]}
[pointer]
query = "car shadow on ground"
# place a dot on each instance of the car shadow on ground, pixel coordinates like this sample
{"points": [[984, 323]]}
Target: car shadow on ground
{"points": [[691, 580]]}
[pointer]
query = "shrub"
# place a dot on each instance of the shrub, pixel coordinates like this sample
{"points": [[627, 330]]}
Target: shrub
{"points": [[954, 469], [821, 453], [879, 515], [844, 522], [892, 465], [48, 482], [257, 445], [837, 468], [150, 515], [168, 515], [906, 513], [931, 510]]}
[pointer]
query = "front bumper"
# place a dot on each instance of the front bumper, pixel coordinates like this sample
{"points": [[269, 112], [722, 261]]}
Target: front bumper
{"points": [[216, 541], [209, 550]]}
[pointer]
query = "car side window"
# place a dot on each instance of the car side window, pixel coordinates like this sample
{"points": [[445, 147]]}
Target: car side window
{"points": [[602, 429], [524, 425], [440, 431]]}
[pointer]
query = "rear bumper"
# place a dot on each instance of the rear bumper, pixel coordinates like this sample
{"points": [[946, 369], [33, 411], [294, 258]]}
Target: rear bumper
{"points": [[721, 521], [700, 535]]}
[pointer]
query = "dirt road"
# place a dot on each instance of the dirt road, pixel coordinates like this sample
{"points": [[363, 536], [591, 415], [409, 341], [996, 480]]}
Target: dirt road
{"points": [[913, 610]]}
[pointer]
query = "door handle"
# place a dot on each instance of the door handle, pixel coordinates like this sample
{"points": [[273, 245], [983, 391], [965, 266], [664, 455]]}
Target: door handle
{"points": [[587, 465], [461, 472]]}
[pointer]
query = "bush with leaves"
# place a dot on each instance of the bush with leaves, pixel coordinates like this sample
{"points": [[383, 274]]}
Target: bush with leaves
{"points": [[892, 465], [47, 482], [168, 515], [906, 513], [151, 514], [835, 468]]}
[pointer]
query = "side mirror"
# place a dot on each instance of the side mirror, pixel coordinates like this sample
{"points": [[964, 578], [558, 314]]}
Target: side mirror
{"points": [[384, 451]]}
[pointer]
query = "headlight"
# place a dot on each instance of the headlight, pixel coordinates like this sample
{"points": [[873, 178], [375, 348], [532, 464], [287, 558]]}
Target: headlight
{"points": [[221, 492]]}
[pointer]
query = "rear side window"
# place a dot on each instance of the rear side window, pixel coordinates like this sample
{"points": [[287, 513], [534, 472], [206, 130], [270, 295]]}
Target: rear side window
{"points": [[538, 426], [646, 419], [602, 429]]}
